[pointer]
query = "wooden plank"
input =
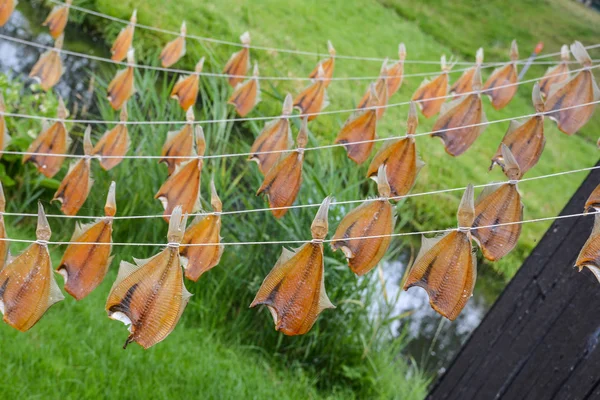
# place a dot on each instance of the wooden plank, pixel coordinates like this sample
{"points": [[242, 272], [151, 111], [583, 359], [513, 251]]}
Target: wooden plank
{"points": [[540, 338]]}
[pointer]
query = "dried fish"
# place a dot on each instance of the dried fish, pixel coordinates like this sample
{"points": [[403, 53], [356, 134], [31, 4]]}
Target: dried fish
{"points": [[175, 49], [179, 144], [48, 69], [246, 95], [294, 290], [57, 19], [85, 262], [114, 143], [395, 72], [238, 64], [314, 98], [590, 253], [4, 136], [6, 9], [557, 74], [593, 202], [121, 88], [327, 65], [464, 84], [380, 91], [431, 94], [496, 87], [124, 40]]}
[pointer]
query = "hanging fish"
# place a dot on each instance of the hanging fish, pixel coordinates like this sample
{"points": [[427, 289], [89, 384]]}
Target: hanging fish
{"points": [[57, 19], [121, 88], [6, 9], [239, 62], [4, 136], [150, 296], [360, 126], [395, 72], [75, 187], [48, 69], [282, 182], [525, 139], [114, 143], [53, 140], [246, 95], [462, 120], [400, 159], [557, 74], [182, 188], [4, 244], [204, 230], [446, 266], [179, 144], [27, 285], [499, 205], [496, 87], [580, 89], [590, 253], [124, 40], [275, 136], [294, 290], [381, 92], [372, 218], [327, 65], [464, 84], [175, 49], [314, 98], [185, 90], [431, 94], [593, 202], [85, 262]]}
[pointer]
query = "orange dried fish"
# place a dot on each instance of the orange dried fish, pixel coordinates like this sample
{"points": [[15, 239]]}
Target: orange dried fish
{"points": [[121, 88], [282, 182], [452, 126], [114, 143], [57, 19], [395, 72], [372, 218], [75, 187], [174, 50], [556, 74], [381, 93], [4, 244], [580, 89], [400, 158], [275, 136], [360, 126], [496, 85], [6, 9], [53, 140], [294, 290], [27, 285], [85, 263], [314, 98], [431, 94], [179, 144], [446, 267], [464, 84], [185, 90], [590, 252], [124, 40], [204, 230], [48, 69], [4, 136], [150, 296], [238, 64], [246, 95], [525, 139], [593, 202], [499, 204], [327, 65], [182, 188]]}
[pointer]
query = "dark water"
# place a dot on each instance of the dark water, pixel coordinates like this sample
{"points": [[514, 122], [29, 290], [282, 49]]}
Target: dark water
{"points": [[433, 340]]}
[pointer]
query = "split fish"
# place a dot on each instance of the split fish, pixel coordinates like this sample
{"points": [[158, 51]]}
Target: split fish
{"points": [[395, 72], [121, 88], [557, 74], [381, 91], [48, 69], [238, 64], [327, 66], [246, 95], [501, 86], [185, 90], [431, 94], [314, 98], [124, 40], [175, 49], [57, 19], [179, 144], [114, 143], [464, 84]]}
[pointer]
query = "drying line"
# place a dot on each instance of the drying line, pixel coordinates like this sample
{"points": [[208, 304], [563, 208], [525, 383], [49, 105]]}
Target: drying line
{"points": [[284, 242], [333, 203], [226, 120], [327, 146], [264, 48], [214, 74]]}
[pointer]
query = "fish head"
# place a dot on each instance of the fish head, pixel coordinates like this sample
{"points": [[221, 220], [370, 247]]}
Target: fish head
{"points": [[320, 226]]}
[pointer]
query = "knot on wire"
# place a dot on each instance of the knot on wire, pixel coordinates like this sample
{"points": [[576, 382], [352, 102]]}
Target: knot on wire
{"points": [[513, 181], [173, 245], [463, 229], [318, 240], [42, 242]]}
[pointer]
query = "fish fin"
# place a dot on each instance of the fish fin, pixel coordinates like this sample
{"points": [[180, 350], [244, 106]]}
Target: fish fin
{"points": [[427, 244], [125, 269], [450, 105], [487, 191], [580, 54], [55, 293]]}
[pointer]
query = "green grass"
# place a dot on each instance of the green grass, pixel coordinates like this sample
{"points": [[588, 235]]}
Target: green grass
{"points": [[348, 352]]}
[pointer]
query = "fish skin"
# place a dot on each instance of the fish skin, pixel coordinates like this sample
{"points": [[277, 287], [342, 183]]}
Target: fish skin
{"points": [[53, 140], [526, 142], [506, 75], [57, 20], [75, 187], [359, 127], [120, 89], [438, 87], [6, 9], [402, 165], [275, 136], [245, 97], [202, 258], [282, 182], [47, 70], [179, 145], [115, 142]]}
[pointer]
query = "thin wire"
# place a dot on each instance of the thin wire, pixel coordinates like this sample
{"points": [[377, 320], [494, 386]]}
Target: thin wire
{"points": [[213, 74], [279, 242], [214, 121], [327, 146], [333, 203]]}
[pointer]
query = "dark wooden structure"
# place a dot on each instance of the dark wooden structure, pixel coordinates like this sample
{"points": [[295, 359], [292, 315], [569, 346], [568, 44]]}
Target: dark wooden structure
{"points": [[540, 340]]}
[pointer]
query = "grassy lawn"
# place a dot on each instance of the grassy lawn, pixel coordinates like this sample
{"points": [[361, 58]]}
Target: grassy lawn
{"points": [[222, 349]]}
